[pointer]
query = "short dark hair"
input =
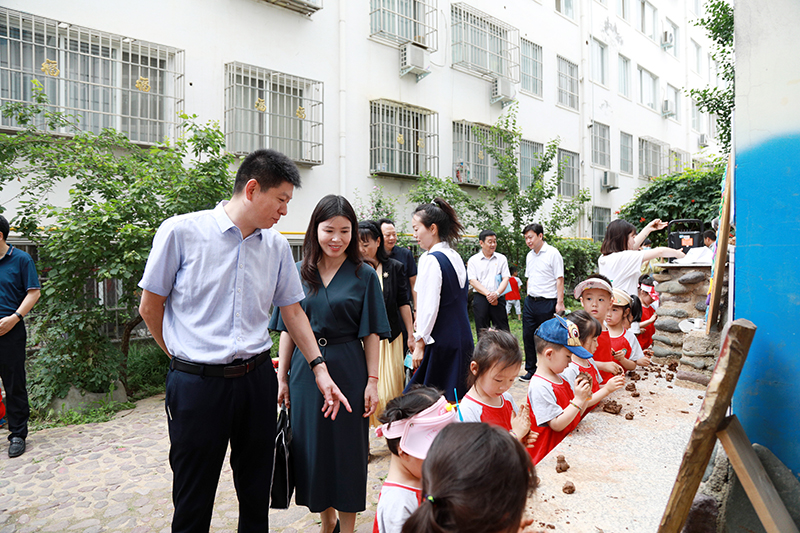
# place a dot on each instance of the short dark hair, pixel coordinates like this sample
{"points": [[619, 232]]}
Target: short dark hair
{"points": [[598, 275], [494, 347], [476, 478], [382, 221], [535, 227], [369, 229], [269, 168], [4, 227], [616, 239], [486, 233], [541, 345], [588, 326], [710, 234], [417, 399], [636, 308]]}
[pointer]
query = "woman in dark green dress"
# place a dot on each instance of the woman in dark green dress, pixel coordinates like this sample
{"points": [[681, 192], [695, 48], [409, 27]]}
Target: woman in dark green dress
{"points": [[344, 304]]}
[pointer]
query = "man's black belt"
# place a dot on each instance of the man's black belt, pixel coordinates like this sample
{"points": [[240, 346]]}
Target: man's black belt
{"points": [[539, 298], [236, 369], [327, 341]]}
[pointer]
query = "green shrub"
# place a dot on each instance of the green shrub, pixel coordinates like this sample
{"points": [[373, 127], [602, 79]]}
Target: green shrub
{"points": [[580, 259], [147, 370]]}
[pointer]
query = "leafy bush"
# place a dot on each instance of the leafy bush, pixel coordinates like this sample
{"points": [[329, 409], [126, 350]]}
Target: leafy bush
{"points": [[147, 370], [580, 259], [692, 194]]}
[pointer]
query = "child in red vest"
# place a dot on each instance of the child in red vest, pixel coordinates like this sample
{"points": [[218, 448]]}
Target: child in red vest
{"points": [[595, 295], [555, 408], [410, 423], [590, 329], [493, 369], [648, 297], [625, 348], [513, 297]]}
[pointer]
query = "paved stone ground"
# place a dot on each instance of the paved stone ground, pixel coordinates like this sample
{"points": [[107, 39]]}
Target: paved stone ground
{"points": [[115, 476]]}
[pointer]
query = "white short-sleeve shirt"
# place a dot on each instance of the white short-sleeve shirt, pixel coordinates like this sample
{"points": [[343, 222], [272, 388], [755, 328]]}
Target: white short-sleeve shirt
{"points": [[485, 270], [543, 270]]}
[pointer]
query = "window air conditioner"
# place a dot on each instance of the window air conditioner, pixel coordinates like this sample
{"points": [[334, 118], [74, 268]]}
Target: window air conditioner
{"points": [[502, 91], [414, 59], [703, 142], [610, 180], [668, 108], [667, 39]]}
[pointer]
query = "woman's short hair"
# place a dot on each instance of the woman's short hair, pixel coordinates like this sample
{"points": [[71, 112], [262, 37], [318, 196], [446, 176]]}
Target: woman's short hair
{"points": [[369, 229], [616, 239]]}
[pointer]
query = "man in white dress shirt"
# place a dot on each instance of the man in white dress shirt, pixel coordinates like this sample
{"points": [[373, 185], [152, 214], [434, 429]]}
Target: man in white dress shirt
{"points": [[488, 276], [544, 268]]}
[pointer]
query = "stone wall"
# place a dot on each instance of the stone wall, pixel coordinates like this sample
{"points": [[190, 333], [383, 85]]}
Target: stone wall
{"points": [[683, 291]]}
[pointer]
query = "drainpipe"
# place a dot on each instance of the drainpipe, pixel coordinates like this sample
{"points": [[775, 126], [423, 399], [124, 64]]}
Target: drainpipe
{"points": [[585, 33], [342, 97]]}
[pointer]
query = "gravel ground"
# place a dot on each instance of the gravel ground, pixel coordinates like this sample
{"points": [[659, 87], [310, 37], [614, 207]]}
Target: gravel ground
{"points": [[115, 476]]}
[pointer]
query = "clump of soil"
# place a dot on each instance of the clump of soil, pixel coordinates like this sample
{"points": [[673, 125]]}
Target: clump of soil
{"points": [[630, 387], [632, 375], [635, 394], [583, 376], [670, 376], [561, 464], [672, 366], [629, 416], [569, 487], [611, 406]]}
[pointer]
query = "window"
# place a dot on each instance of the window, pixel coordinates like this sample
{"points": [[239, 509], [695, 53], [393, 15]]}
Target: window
{"points": [[483, 45], [569, 162], [601, 145], [401, 21], [566, 8], [695, 116], [105, 80], [626, 153], [674, 48], [648, 18], [471, 162], [674, 96], [712, 125], [679, 160], [567, 83], [652, 157], [404, 140], [624, 68], [698, 58], [623, 9], [599, 61], [648, 88], [601, 218], [269, 109], [530, 154], [531, 67]]}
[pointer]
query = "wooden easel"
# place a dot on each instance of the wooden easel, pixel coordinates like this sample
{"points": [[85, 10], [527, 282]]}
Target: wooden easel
{"points": [[722, 249], [712, 424]]}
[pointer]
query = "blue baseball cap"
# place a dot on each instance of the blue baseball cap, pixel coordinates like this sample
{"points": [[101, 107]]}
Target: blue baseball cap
{"points": [[564, 332]]}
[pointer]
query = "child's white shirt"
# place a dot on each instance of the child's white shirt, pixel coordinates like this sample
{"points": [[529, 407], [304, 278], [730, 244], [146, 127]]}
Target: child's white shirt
{"points": [[395, 505]]}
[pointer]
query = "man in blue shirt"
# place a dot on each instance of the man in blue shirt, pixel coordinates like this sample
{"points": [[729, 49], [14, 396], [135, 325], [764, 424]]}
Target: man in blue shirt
{"points": [[19, 291], [209, 283]]}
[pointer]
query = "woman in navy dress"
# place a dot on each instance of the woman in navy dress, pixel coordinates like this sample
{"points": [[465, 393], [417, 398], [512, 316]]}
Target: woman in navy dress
{"points": [[443, 335], [344, 304]]}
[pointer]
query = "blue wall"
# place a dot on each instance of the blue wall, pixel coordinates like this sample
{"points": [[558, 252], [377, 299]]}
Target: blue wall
{"points": [[767, 292]]}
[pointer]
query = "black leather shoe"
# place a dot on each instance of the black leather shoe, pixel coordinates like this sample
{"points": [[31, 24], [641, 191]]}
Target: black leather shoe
{"points": [[17, 447], [527, 377]]}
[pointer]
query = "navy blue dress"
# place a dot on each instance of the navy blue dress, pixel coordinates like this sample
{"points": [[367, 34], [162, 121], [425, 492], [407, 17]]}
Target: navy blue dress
{"points": [[446, 361]]}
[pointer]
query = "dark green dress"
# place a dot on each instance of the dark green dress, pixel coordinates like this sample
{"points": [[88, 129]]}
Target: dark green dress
{"points": [[330, 456]]}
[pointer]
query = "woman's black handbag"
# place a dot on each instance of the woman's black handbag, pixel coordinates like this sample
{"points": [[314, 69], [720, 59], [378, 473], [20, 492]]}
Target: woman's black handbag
{"points": [[282, 471]]}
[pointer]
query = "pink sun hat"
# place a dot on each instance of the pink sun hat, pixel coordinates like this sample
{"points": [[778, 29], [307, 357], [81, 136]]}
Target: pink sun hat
{"points": [[417, 432]]}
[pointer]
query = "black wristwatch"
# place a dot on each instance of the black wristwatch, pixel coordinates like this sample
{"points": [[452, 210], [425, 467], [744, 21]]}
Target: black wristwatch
{"points": [[318, 361], [19, 315]]}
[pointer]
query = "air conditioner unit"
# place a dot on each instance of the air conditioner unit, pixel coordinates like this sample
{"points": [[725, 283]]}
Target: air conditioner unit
{"points": [[703, 141], [610, 180], [667, 39], [503, 91], [414, 59], [668, 108]]}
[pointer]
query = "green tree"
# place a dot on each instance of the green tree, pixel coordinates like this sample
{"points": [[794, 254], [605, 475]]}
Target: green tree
{"points": [[119, 193], [505, 206], [718, 23], [693, 194]]}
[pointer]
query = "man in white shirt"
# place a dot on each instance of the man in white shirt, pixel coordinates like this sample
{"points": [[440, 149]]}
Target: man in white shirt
{"points": [[488, 276], [544, 268]]}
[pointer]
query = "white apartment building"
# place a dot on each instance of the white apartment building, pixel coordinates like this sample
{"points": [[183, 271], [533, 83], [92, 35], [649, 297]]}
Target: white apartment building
{"points": [[383, 87]]}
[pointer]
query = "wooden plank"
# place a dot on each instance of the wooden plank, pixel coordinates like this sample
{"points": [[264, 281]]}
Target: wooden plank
{"points": [[722, 250], [757, 484], [701, 443]]}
